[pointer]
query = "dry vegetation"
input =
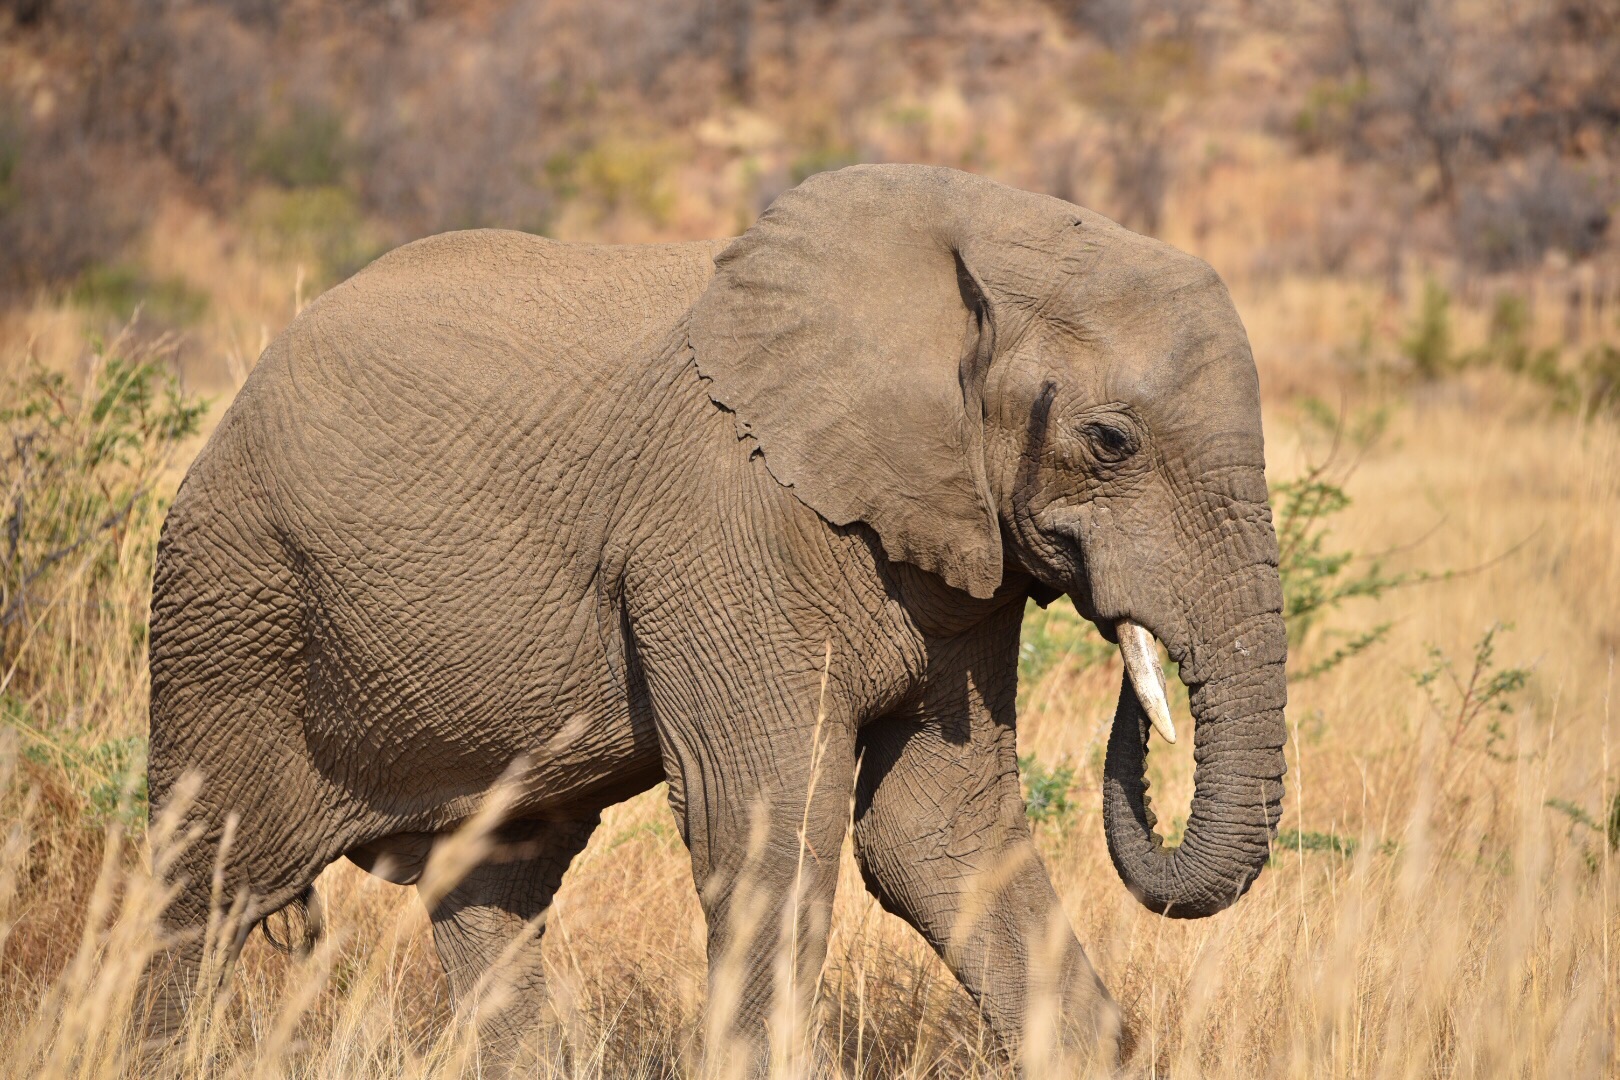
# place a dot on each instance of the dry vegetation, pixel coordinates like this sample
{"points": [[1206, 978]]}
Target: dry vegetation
{"points": [[1410, 199]]}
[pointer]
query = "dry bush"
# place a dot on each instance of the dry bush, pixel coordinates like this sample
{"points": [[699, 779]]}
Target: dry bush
{"points": [[1543, 205], [1501, 114], [1483, 132], [67, 204], [83, 462]]}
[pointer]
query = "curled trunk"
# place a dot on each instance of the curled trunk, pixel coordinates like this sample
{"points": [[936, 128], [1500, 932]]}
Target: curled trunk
{"points": [[1238, 739]]}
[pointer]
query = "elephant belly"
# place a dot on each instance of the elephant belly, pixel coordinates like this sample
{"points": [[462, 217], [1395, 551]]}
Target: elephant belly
{"points": [[417, 713]]}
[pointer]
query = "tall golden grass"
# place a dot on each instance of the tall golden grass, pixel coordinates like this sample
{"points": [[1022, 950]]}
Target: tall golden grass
{"points": [[1442, 898]]}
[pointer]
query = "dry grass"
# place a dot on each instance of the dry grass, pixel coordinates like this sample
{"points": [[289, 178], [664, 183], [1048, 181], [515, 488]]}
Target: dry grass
{"points": [[1444, 902]]}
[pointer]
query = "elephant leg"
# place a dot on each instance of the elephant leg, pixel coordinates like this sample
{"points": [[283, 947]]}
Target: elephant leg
{"points": [[765, 852], [942, 842], [487, 931], [228, 881], [239, 813], [238, 849]]}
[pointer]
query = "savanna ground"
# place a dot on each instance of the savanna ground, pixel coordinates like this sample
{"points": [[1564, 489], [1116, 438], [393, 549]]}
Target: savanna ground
{"points": [[1409, 201]]}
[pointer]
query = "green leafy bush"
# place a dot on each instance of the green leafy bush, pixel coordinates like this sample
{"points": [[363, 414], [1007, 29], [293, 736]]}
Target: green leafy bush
{"points": [[121, 290], [84, 463], [1590, 385], [306, 149], [1608, 829], [824, 157], [1319, 578], [1486, 692], [1600, 372], [1046, 791], [322, 226], [1304, 840], [11, 150], [1427, 343], [1316, 578], [108, 775], [630, 174], [1329, 110]]}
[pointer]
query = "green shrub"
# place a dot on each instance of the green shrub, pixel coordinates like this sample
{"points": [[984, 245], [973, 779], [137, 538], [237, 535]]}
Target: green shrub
{"points": [[1304, 840], [306, 149], [1608, 829], [1053, 635], [11, 145], [1316, 578], [823, 158], [81, 522], [1507, 346], [1600, 375], [627, 174], [1046, 791], [1328, 111], [1427, 343], [322, 226], [1592, 386], [1319, 578], [562, 174], [1506, 343], [120, 290], [1485, 692], [107, 774]]}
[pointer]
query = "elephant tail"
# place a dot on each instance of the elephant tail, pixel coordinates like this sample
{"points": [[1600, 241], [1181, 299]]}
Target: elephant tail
{"points": [[306, 909]]}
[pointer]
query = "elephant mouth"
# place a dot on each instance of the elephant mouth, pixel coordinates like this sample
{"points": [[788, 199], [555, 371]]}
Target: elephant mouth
{"points": [[1138, 648]]}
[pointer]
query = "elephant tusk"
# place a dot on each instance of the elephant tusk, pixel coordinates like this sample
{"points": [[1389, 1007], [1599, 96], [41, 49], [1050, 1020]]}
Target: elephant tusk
{"points": [[1147, 677]]}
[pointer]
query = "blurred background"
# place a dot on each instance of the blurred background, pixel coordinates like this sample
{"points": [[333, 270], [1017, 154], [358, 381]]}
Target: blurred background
{"points": [[207, 161], [1412, 202]]}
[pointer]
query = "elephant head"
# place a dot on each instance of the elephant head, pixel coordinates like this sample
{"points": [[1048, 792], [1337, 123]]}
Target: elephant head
{"points": [[1004, 386]]}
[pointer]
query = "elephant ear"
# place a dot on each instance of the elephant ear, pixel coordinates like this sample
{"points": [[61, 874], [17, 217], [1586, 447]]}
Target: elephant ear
{"points": [[849, 334]]}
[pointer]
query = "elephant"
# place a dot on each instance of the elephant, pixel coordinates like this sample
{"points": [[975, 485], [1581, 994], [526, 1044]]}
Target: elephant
{"points": [[758, 518]]}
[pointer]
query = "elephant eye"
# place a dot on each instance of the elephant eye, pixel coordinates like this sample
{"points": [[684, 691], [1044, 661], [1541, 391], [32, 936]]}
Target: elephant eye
{"points": [[1109, 442]]}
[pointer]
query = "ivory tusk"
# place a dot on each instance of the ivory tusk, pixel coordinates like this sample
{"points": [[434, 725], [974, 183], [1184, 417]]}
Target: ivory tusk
{"points": [[1147, 677]]}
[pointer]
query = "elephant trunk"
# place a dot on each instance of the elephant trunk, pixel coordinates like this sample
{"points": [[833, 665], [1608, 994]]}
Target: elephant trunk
{"points": [[1237, 694]]}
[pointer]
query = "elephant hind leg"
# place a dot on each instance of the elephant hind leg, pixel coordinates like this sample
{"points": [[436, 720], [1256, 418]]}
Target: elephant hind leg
{"points": [[229, 769], [245, 849], [487, 931], [255, 820], [228, 885]]}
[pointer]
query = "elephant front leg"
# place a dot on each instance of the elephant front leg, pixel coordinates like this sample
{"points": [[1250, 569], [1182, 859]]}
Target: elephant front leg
{"points": [[943, 843], [765, 838]]}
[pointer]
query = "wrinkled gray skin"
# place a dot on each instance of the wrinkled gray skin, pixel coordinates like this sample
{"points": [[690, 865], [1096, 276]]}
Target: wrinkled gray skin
{"points": [[607, 508]]}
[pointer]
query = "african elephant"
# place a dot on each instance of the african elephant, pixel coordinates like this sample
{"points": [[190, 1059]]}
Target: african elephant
{"points": [[712, 513]]}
